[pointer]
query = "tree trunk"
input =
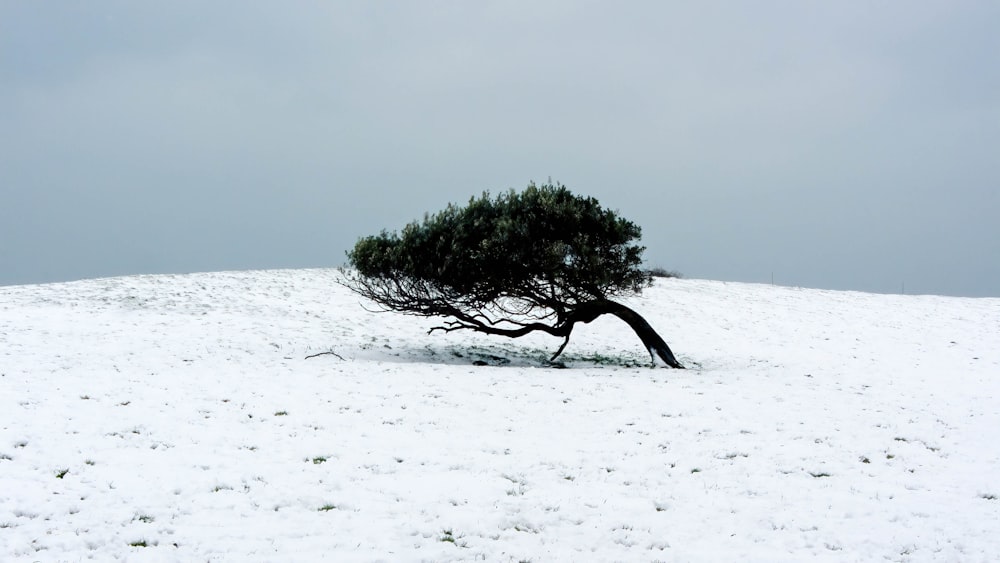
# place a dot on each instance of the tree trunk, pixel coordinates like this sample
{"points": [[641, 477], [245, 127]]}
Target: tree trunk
{"points": [[650, 339]]}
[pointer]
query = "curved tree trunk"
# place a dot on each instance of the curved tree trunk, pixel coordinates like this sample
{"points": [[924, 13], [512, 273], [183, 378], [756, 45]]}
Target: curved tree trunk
{"points": [[650, 339]]}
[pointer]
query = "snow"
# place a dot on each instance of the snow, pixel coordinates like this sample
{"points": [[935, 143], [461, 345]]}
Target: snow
{"points": [[176, 418]]}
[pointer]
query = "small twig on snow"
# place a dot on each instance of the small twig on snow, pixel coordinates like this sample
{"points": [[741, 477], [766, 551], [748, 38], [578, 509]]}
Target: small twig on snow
{"points": [[331, 352]]}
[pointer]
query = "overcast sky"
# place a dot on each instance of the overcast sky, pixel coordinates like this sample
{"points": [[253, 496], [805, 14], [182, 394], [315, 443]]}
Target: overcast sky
{"points": [[842, 145]]}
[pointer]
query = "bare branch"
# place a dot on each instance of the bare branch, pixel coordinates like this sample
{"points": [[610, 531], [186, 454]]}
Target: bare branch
{"points": [[331, 352]]}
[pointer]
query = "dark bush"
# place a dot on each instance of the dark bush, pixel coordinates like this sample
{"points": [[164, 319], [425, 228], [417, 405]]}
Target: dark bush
{"points": [[664, 273]]}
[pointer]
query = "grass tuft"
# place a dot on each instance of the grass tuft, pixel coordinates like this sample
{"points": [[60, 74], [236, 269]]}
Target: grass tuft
{"points": [[449, 537]]}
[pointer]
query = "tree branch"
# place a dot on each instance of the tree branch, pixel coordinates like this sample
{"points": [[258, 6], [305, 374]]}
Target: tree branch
{"points": [[331, 352]]}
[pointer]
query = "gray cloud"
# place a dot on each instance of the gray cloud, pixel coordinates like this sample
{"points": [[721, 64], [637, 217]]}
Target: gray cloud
{"points": [[842, 146]]}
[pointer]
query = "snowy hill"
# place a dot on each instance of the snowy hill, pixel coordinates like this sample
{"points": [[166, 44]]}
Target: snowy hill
{"points": [[176, 418]]}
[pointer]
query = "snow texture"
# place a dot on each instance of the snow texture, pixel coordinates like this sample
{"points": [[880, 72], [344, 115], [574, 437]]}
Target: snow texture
{"points": [[177, 418]]}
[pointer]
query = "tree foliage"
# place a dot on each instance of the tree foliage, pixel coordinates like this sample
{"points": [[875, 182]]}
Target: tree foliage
{"points": [[540, 259]]}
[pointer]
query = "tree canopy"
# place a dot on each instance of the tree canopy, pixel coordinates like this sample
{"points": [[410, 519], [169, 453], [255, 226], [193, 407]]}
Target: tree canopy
{"points": [[540, 259]]}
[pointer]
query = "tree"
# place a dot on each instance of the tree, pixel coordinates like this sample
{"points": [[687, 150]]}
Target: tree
{"points": [[540, 260]]}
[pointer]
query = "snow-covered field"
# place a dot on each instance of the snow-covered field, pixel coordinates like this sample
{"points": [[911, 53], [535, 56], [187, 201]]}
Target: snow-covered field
{"points": [[176, 418]]}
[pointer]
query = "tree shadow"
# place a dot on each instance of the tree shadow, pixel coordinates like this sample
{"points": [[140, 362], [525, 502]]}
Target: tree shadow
{"points": [[517, 356]]}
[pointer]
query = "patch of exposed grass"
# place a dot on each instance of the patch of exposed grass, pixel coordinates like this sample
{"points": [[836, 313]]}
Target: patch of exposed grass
{"points": [[608, 360], [449, 536]]}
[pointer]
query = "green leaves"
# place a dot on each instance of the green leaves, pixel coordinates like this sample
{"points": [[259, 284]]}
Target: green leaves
{"points": [[543, 245]]}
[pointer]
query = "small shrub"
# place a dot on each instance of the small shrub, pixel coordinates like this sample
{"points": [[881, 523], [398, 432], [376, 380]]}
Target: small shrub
{"points": [[664, 273]]}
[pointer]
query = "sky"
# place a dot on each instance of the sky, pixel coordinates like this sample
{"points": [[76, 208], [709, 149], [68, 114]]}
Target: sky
{"points": [[850, 145]]}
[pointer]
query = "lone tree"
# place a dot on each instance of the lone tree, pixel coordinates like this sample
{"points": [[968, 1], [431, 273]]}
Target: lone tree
{"points": [[539, 260]]}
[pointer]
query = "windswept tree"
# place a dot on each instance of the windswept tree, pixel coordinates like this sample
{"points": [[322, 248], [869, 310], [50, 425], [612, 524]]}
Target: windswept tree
{"points": [[540, 260]]}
